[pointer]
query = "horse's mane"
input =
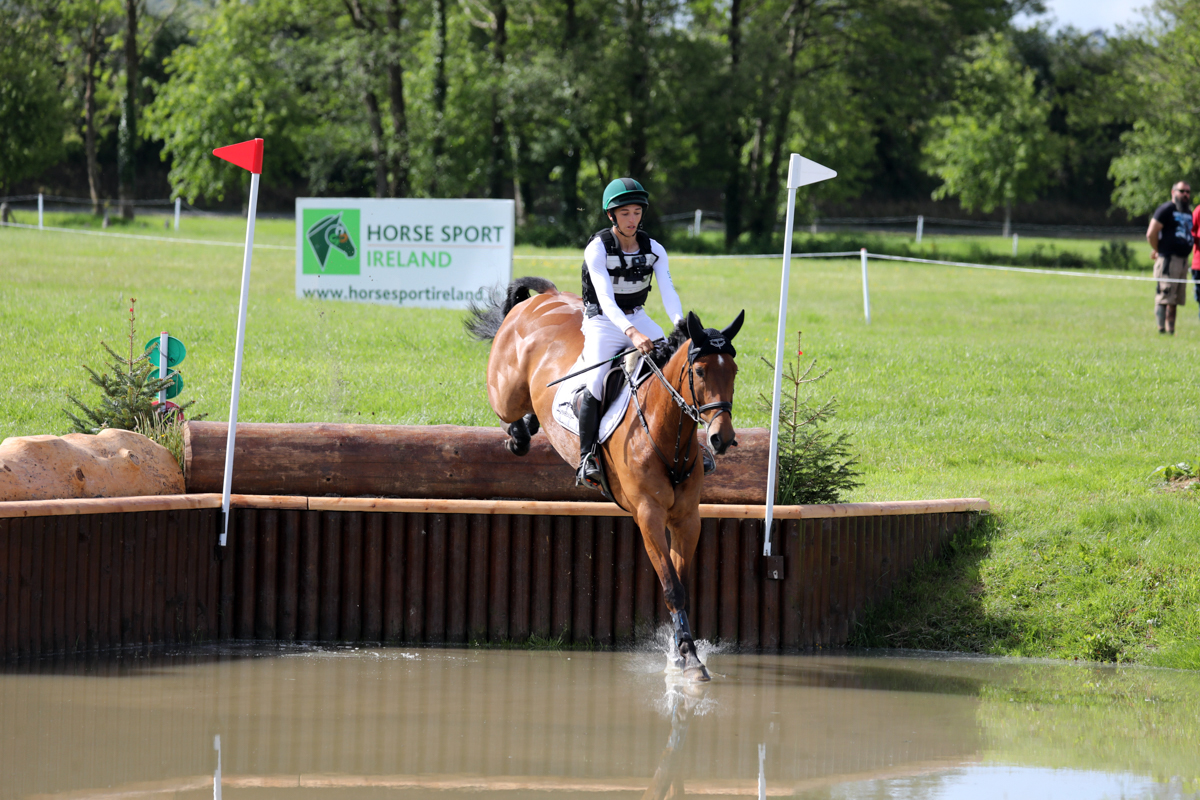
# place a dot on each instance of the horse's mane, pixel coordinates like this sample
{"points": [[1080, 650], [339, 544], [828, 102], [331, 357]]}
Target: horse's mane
{"points": [[663, 352]]}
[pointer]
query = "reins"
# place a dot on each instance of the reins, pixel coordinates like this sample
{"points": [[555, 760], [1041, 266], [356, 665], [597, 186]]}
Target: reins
{"points": [[677, 474]]}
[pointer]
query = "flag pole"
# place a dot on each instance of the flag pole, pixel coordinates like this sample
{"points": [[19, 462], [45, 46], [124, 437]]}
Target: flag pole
{"points": [[801, 172], [247, 155]]}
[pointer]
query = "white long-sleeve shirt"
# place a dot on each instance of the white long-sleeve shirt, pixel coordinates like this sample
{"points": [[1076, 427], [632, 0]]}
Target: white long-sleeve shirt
{"points": [[596, 259]]}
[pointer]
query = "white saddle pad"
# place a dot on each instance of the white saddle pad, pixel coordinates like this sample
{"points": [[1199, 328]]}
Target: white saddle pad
{"points": [[564, 414]]}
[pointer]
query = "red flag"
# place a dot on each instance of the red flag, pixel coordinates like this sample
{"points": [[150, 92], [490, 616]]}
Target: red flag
{"points": [[247, 155]]}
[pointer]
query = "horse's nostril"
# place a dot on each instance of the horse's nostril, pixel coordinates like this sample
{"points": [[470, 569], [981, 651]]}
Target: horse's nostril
{"points": [[715, 442]]}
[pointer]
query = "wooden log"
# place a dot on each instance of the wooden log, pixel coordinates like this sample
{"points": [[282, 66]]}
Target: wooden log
{"points": [[421, 461]]}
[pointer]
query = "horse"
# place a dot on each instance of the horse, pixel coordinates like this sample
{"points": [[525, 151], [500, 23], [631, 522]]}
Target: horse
{"points": [[536, 339]]}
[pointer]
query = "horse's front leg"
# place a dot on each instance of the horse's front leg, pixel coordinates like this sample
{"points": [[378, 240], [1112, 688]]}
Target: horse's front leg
{"points": [[685, 535], [651, 520]]}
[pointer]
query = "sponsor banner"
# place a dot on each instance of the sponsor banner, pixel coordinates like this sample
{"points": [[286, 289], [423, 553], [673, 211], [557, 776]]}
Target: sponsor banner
{"points": [[402, 252]]}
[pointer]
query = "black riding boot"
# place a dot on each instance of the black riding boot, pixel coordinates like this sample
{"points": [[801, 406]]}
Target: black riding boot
{"points": [[589, 430]]}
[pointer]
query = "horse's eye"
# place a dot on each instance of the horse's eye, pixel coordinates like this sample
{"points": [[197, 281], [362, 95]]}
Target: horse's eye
{"points": [[699, 372]]}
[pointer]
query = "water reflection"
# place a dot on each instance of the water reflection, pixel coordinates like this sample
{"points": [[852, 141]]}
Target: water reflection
{"points": [[353, 723]]}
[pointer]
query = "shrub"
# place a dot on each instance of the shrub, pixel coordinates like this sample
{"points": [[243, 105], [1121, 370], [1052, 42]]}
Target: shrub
{"points": [[815, 466], [1116, 255]]}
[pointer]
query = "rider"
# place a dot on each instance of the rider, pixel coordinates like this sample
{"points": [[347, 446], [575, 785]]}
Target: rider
{"points": [[618, 265]]}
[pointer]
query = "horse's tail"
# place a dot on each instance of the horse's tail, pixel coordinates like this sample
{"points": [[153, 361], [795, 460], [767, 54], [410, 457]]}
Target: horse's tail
{"points": [[483, 319]]}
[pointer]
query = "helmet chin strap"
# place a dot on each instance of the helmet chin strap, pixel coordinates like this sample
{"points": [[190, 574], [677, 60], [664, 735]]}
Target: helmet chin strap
{"points": [[617, 227]]}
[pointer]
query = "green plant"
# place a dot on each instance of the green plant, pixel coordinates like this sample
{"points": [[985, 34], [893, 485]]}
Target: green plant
{"points": [[129, 391], [814, 465], [1116, 255], [166, 430]]}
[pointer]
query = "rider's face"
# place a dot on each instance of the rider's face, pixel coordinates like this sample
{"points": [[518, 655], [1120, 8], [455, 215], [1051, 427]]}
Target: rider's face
{"points": [[628, 218]]}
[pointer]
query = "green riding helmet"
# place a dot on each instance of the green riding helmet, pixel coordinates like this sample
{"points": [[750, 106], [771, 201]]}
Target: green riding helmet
{"points": [[624, 192]]}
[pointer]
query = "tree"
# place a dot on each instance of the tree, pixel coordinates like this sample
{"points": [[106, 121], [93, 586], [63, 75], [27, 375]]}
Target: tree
{"points": [[1164, 86], [992, 146], [30, 100]]}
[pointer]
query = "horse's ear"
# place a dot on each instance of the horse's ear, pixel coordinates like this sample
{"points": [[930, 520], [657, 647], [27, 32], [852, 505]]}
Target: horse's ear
{"points": [[695, 330], [735, 326]]}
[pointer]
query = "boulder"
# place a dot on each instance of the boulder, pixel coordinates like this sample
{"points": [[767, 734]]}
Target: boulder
{"points": [[113, 463]]}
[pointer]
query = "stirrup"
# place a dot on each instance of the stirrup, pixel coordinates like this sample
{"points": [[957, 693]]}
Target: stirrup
{"points": [[589, 477], [710, 463]]}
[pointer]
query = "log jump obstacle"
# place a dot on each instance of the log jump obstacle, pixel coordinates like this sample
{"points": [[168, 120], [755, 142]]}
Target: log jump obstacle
{"points": [[90, 575]]}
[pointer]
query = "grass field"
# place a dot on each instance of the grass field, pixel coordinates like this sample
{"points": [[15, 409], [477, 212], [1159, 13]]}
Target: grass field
{"points": [[1053, 397]]}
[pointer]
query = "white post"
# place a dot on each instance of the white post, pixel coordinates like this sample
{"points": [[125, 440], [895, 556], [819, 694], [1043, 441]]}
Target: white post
{"points": [[237, 356], [1014, 245], [696, 224], [762, 772], [920, 226], [162, 369], [40, 206], [177, 204], [866, 293], [217, 774], [801, 172], [813, 228]]}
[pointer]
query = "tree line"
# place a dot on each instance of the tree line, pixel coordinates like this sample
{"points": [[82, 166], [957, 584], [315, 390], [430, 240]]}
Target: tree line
{"points": [[544, 101]]}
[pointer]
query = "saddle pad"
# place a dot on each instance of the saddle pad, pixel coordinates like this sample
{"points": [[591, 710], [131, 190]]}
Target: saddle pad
{"points": [[614, 412]]}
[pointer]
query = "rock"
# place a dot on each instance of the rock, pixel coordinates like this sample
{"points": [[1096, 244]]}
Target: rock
{"points": [[114, 463]]}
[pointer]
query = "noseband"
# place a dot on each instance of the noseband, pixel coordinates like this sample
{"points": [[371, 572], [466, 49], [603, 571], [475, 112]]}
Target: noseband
{"points": [[677, 473]]}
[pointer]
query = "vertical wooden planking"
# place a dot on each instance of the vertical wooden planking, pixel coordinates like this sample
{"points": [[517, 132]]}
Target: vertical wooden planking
{"points": [[582, 573], [158, 583], [55, 583], [7, 628], [350, 622], [791, 611], [828, 566], [372, 581], [49, 568], [846, 550], [170, 577], [811, 565], [289, 574], [749, 577], [602, 551], [459, 539], [436, 588], [541, 585], [25, 586], [623, 601], [395, 547], [730, 572], [104, 554], [648, 590], [521, 549], [91, 556], [308, 591], [498, 581], [414, 580], [266, 589], [208, 575], [70, 569], [189, 564], [331, 576], [561, 579], [706, 569], [477, 579], [246, 555]]}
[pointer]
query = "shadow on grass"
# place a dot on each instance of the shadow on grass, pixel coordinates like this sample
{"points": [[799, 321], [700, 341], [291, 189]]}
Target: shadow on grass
{"points": [[939, 605]]}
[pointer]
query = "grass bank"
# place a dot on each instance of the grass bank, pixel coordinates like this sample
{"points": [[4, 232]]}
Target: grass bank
{"points": [[1051, 396]]}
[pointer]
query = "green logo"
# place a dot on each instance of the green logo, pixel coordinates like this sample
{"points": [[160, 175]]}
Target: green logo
{"points": [[331, 239]]}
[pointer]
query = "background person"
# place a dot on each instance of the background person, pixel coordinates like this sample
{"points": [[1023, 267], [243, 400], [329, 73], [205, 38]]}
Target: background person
{"points": [[1196, 253], [1170, 238]]}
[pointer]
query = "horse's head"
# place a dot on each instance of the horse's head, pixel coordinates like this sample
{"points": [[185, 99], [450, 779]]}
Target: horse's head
{"points": [[710, 359]]}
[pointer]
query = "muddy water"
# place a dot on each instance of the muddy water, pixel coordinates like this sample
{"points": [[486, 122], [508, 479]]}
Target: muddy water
{"points": [[307, 723]]}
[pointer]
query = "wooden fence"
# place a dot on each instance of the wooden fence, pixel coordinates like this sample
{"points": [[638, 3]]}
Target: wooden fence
{"points": [[89, 575]]}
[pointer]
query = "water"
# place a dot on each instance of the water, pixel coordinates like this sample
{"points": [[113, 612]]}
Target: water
{"points": [[308, 723]]}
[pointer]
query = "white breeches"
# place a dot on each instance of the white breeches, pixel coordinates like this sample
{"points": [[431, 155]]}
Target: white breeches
{"points": [[602, 340]]}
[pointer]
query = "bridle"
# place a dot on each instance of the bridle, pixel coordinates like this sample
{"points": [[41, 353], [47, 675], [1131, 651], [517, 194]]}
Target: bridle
{"points": [[677, 473]]}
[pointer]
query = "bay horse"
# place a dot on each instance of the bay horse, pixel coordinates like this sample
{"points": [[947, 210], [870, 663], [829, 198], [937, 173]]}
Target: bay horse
{"points": [[536, 339]]}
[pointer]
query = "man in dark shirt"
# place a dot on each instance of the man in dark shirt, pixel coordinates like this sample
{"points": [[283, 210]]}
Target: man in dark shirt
{"points": [[1170, 238]]}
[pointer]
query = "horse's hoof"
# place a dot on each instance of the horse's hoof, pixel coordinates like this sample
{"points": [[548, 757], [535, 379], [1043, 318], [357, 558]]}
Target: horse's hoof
{"points": [[696, 673], [517, 449]]}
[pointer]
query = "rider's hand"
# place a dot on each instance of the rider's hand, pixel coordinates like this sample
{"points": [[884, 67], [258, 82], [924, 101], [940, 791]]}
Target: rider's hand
{"points": [[641, 341]]}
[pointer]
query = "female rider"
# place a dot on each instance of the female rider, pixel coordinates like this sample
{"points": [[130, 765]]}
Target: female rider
{"points": [[618, 265]]}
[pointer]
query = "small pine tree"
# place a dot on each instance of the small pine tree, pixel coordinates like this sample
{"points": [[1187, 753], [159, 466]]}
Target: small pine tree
{"points": [[129, 391], [814, 465]]}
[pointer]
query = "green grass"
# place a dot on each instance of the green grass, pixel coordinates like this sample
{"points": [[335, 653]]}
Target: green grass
{"points": [[1053, 397]]}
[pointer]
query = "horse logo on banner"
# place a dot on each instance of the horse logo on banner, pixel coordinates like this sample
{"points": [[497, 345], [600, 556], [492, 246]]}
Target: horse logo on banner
{"points": [[328, 233]]}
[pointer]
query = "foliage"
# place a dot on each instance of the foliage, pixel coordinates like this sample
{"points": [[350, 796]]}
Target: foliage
{"points": [[30, 104], [1117, 255], [992, 146], [166, 430], [129, 391], [814, 465], [1164, 145]]}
